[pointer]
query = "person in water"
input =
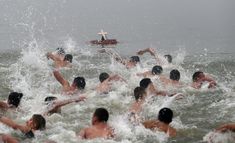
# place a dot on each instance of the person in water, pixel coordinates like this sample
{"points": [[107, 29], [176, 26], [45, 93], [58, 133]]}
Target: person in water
{"points": [[133, 61], [168, 58], [4, 138], [99, 128], [78, 84], [199, 78], [36, 122], [54, 105], [156, 70], [173, 79], [60, 58], [13, 101], [150, 89], [106, 82], [165, 116]]}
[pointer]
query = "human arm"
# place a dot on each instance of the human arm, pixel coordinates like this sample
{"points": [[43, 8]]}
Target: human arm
{"points": [[115, 56], [226, 127], [13, 125], [152, 53], [60, 78], [8, 139], [82, 134]]}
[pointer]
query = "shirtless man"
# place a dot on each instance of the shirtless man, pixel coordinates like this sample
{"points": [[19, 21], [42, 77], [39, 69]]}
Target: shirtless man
{"points": [[165, 116], [60, 58], [78, 84], [199, 78], [99, 128], [54, 105], [12, 102], [37, 122], [147, 84], [173, 80], [132, 62], [139, 94], [156, 70], [106, 82]]}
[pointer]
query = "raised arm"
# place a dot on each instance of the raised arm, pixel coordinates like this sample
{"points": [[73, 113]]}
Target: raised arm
{"points": [[13, 125], [115, 56], [60, 78], [152, 52]]}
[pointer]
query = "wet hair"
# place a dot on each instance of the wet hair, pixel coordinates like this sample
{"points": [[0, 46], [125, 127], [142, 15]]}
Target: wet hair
{"points": [[157, 70], [14, 98], [60, 51], [175, 75], [145, 82], [80, 82], [102, 114], [39, 121], [103, 76], [165, 115], [68, 57], [168, 58], [139, 93], [135, 59], [196, 75], [50, 98]]}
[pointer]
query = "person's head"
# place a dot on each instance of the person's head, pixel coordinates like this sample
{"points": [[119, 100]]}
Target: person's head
{"points": [[145, 82], [168, 58], [37, 122], [100, 115], [175, 75], [79, 82], [198, 75], [60, 51], [139, 93], [68, 57], [165, 115], [156, 70], [103, 76], [134, 59], [49, 99], [14, 98]]}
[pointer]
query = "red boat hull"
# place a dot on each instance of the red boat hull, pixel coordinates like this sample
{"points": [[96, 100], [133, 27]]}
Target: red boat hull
{"points": [[104, 42]]}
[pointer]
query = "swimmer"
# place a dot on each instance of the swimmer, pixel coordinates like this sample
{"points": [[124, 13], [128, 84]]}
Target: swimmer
{"points": [[99, 128], [12, 102], [168, 58], [37, 122], [173, 79], [78, 84], [156, 70], [106, 82], [165, 116], [136, 107], [129, 63], [139, 94], [199, 78], [4, 138], [54, 105], [147, 84], [226, 127], [60, 58]]}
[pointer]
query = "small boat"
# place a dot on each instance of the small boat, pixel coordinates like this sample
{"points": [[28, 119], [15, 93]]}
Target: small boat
{"points": [[104, 40]]}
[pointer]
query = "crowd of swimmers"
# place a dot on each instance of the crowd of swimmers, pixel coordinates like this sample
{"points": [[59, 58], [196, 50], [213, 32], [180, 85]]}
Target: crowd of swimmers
{"points": [[100, 127]]}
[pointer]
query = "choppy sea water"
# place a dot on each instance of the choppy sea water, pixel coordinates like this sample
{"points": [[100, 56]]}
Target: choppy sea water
{"points": [[196, 115]]}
